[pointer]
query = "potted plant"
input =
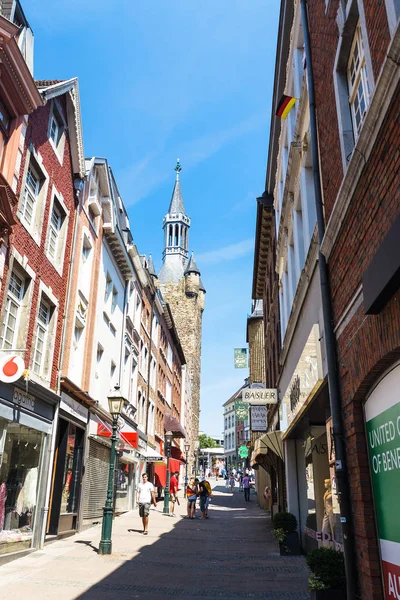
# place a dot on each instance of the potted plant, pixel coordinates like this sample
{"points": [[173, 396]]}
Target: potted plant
{"points": [[328, 579], [285, 531]]}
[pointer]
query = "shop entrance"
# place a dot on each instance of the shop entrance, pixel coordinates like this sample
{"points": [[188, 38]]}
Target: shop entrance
{"points": [[20, 456], [67, 478]]}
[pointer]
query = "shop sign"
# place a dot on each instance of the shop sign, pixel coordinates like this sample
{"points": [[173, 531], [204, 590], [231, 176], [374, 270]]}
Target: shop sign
{"points": [[24, 399], [382, 415], [322, 536], [243, 452], [258, 418], [240, 358], [72, 407], [142, 444], [241, 410], [11, 368], [260, 396], [306, 375]]}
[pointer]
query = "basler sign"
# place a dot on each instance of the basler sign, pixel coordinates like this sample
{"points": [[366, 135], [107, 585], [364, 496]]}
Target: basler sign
{"points": [[382, 415], [260, 396]]}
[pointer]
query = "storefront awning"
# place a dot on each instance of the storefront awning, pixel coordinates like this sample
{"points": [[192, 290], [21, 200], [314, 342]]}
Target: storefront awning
{"points": [[150, 454], [129, 437], [172, 424], [272, 441]]}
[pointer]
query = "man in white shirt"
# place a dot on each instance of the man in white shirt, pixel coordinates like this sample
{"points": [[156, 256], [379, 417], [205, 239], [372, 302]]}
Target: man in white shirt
{"points": [[145, 494]]}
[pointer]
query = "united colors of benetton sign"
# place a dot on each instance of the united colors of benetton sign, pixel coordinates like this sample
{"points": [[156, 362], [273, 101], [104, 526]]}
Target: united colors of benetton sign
{"points": [[382, 414]]}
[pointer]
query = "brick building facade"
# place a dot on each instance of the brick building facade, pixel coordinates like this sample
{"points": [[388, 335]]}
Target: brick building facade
{"points": [[361, 188]]}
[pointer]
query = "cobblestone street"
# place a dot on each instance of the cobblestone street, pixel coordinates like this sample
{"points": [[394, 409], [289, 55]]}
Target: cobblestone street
{"points": [[231, 555]]}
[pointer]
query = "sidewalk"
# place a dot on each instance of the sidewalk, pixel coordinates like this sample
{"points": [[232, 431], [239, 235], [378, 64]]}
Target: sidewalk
{"points": [[231, 555]]}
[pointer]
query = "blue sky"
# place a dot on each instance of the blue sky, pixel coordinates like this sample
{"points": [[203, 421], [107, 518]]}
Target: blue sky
{"points": [[179, 78]]}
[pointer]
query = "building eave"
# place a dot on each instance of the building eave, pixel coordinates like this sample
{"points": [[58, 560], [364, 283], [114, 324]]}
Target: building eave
{"points": [[17, 82], [265, 214]]}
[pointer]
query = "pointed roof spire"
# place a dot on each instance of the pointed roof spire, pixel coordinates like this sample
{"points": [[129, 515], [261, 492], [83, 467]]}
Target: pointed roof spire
{"points": [[201, 286], [176, 205], [150, 267], [192, 267]]}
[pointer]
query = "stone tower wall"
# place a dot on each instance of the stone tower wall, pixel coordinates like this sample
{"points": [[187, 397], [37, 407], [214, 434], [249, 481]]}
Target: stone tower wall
{"points": [[187, 312]]}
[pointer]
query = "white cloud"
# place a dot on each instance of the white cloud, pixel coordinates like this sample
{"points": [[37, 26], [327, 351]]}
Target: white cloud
{"points": [[230, 252]]}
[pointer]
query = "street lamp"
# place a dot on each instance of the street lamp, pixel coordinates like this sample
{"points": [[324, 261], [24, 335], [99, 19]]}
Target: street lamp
{"points": [[187, 448], [169, 436], [197, 452], [115, 403]]}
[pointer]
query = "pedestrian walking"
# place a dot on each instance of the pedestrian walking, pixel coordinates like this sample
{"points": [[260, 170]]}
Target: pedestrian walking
{"points": [[145, 495], [191, 495], [227, 483], [232, 482], [241, 482], [246, 487], [173, 491], [203, 494]]}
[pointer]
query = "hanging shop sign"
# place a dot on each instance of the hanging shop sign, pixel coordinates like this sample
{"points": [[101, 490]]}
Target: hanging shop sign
{"points": [[241, 410], [72, 407], [11, 367], [243, 452], [240, 358], [258, 418], [260, 396], [306, 375], [382, 415]]}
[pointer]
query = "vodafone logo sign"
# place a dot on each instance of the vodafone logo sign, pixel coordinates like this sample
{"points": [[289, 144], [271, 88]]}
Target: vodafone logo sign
{"points": [[11, 367]]}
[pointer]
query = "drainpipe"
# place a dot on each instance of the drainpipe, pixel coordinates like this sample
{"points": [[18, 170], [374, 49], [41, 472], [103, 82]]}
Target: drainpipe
{"points": [[342, 477]]}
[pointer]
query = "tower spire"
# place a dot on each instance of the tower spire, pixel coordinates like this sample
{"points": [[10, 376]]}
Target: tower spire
{"points": [[177, 169]]}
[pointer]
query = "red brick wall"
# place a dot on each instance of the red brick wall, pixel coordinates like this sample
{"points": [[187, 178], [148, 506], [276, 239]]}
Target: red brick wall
{"points": [[61, 176], [324, 42], [368, 344]]}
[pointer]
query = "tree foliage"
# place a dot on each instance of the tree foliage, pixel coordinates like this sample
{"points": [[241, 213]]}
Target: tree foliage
{"points": [[206, 441]]}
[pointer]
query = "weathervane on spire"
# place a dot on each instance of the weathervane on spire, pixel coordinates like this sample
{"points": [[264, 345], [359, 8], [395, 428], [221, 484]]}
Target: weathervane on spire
{"points": [[178, 168]]}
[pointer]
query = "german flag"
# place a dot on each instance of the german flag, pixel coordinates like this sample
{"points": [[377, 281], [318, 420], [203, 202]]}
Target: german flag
{"points": [[285, 105]]}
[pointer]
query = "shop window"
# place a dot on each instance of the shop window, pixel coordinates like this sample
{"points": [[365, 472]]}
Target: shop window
{"points": [[19, 476]]}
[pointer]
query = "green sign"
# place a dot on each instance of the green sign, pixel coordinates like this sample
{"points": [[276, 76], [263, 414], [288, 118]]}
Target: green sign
{"points": [[382, 414], [243, 452], [241, 410], [240, 357]]}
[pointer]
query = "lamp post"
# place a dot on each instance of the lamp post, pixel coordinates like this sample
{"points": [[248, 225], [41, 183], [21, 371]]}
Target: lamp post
{"points": [[115, 402], [187, 448], [169, 436]]}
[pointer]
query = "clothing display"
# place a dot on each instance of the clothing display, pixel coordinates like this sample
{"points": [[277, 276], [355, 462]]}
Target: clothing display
{"points": [[19, 473]]}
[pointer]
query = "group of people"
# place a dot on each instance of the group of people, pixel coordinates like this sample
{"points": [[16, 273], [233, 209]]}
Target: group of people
{"points": [[198, 489], [245, 479], [146, 495]]}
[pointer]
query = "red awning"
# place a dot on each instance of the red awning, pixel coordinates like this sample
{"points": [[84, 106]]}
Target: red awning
{"points": [[130, 437], [160, 474], [176, 453], [174, 465], [172, 424]]}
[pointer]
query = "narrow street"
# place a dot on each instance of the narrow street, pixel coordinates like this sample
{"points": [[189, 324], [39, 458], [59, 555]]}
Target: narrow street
{"points": [[231, 555]]}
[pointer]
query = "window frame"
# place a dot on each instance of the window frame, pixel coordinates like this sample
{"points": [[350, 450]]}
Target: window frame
{"points": [[360, 80], [12, 298], [44, 327]]}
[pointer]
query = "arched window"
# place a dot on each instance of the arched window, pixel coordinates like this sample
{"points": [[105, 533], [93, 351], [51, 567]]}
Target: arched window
{"points": [[170, 235], [176, 235]]}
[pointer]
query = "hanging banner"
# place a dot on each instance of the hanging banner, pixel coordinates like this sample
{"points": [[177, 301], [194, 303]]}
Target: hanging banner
{"points": [[382, 415], [240, 358], [258, 418], [241, 410]]}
